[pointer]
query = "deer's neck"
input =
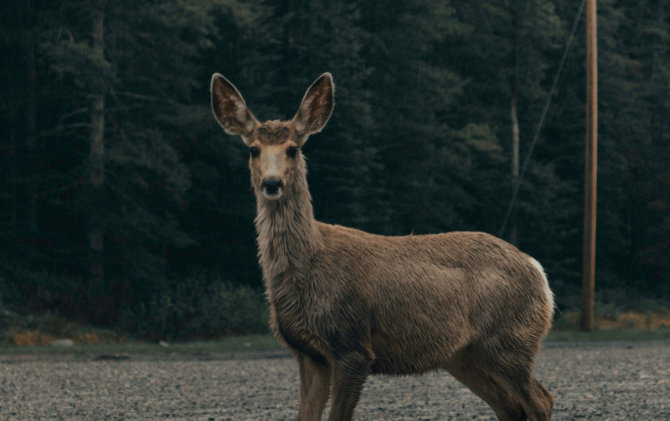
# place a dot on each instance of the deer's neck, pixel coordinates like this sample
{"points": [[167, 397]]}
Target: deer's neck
{"points": [[287, 234]]}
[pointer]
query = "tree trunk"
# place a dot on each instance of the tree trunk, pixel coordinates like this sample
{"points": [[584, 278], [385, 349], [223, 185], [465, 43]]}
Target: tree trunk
{"points": [[31, 134], [513, 237], [97, 168]]}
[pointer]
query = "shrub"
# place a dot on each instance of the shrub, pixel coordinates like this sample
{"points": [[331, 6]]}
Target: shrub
{"points": [[199, 307]]}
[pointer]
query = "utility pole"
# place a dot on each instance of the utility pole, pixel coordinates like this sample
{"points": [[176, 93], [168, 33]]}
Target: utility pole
{"points": [[590, 169]]}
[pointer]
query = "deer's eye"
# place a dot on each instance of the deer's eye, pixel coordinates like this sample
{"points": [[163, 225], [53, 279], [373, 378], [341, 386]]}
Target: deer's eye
{"points": [[292, 151], [254, 152]]}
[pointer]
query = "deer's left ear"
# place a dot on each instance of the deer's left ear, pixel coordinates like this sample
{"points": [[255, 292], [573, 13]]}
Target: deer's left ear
{"points": [[316, 106]]}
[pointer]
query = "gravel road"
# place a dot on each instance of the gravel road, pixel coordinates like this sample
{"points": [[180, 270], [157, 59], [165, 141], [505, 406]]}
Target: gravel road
{"points": [[604, 381]]}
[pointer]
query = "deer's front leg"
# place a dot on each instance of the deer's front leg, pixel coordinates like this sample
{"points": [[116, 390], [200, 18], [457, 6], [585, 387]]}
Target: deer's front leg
{"points": [[314, 388], [349, 374]]}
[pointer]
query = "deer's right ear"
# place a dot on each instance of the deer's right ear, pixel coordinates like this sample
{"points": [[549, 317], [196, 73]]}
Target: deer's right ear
{"points": [[229, 108], [316, 106]]}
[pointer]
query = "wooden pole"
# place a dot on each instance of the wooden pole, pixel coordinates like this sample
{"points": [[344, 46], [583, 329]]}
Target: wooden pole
{"points": [[590, 169]]}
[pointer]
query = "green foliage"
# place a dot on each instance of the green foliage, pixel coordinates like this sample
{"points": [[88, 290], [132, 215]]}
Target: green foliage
{"points": [[420, 142], [195, 308]]}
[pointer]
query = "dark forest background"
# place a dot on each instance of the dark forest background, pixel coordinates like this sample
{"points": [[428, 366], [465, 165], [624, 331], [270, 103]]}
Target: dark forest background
{"points": [[124, 205]]}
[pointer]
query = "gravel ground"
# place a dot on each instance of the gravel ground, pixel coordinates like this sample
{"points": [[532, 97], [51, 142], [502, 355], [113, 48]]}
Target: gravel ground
{"points": [[608, 381]]}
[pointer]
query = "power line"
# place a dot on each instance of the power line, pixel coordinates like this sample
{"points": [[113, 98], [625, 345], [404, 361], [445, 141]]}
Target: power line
{"points": [[538, 128]]}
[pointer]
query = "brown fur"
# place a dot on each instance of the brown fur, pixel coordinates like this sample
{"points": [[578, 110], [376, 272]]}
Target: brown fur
{"points": [[349, 303], [273, 132]]}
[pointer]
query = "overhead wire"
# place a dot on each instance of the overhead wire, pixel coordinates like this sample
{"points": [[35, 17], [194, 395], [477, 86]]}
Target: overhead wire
{"points": [[538, 128]]}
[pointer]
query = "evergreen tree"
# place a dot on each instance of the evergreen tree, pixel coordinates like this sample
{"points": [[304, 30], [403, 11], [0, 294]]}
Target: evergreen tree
{"points": [[421, 140], [303, 40]]}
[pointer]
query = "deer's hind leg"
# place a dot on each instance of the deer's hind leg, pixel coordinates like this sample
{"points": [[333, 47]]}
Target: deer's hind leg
{"points": [[473, 374], [536, 401], [512, 372]]}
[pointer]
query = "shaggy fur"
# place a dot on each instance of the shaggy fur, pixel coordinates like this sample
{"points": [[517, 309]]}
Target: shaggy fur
{"points": [[349, 303]]}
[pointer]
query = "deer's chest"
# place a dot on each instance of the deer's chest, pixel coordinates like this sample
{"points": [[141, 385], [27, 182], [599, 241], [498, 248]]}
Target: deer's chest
{"points": [[288, 318]]}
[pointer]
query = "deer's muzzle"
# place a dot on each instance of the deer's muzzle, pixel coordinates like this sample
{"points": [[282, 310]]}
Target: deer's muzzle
{"points": [[272, 188]]}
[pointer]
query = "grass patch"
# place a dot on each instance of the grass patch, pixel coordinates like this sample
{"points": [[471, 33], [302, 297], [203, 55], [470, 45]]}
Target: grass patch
{"points": [[233, 344], [260, 343], [614, 319], [609, 335]]}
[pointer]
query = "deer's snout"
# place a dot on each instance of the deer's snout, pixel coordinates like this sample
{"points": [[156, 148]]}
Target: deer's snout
{"points": [[272, 186]]}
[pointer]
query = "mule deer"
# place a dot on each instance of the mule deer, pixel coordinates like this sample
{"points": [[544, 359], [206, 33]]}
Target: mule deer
{"points": [[349, 304]]}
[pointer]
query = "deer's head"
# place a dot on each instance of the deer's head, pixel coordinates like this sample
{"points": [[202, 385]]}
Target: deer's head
{"points": [[275, 159]]}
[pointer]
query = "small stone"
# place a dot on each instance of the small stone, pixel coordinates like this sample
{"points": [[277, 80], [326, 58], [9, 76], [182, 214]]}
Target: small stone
{"points": [[62, 342]]}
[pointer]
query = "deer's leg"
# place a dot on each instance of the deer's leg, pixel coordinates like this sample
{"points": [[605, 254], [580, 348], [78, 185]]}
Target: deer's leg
{"points": [[466, 369], [516, 377], [349, 374], [314, 388], [546, 398], [537, 402]]}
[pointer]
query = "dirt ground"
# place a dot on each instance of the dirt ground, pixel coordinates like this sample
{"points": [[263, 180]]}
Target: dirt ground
{"points": [[603, 381]]}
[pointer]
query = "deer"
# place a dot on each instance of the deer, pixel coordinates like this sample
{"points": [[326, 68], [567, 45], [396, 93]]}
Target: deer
{"points": [[349, 304]]}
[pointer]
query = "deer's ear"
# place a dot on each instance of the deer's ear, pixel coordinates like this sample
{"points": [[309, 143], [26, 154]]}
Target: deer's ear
{"points": [[229, 108], [316, 106]]}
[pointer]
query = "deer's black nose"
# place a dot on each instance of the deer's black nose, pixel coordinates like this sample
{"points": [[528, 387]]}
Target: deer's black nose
{"points": [[272, 185]]}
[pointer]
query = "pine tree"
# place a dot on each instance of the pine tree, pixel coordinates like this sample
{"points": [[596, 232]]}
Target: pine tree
{"points": [[305, 39]]}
